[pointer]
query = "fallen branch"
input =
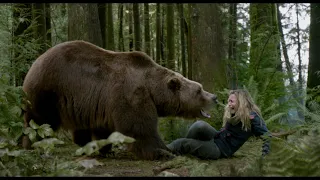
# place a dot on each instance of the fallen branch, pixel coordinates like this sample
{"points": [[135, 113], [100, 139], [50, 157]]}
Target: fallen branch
{"points": [[283, 134]]}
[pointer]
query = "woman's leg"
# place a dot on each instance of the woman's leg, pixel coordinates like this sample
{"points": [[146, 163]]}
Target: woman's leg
{"points": [[198, 148], [201, 130]]}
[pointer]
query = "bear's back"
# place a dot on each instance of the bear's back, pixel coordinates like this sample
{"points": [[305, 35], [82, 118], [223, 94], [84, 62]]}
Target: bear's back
{"points": [[84, 52]]}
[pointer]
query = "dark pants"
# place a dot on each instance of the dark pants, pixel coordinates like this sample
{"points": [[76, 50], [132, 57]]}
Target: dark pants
{"points": [[199, 142]]}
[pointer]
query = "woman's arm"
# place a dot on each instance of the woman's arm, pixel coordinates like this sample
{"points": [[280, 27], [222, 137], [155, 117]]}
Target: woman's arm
{"points": [[260, 129]]}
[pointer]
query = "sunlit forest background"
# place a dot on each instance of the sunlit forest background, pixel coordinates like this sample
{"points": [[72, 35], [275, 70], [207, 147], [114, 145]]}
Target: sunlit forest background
{"points": [[268, 49]]}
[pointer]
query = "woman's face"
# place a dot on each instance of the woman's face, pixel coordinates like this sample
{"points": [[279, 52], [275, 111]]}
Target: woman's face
{"points": [[233, 103]]}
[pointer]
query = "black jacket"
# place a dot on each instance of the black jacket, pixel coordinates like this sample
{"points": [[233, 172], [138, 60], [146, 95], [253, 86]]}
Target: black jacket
{"points": [[231, 138]]}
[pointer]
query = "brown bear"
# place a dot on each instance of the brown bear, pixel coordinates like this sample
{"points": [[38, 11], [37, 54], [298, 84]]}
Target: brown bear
{"points": [[93, 92]]}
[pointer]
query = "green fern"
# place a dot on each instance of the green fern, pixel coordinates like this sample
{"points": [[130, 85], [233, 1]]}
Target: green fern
{"points": [[294, 159]]}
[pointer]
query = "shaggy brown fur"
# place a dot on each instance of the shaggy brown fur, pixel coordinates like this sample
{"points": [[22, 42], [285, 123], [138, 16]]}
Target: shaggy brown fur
{"points": [[93, 92]]}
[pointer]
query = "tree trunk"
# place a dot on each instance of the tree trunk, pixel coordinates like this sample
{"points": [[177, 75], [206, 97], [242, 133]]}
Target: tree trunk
{"points": [[182, 40], [265, 64], [300, 79], [190, 50], [110, 34], [76, 26], [207, 42], [136, 26], [83, 23], [158, 34], [162, 38], [232, 70], [93, 24], [170, 37], [48, 26], [39, 16], [121, 40], [146, 29], [314, 53], [103, 22], [285, 54], [130, 27]]}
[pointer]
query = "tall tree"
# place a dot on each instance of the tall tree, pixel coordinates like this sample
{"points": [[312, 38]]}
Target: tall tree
{"points": [[110, 34], [170, 37], [162, 37], [182, 39], [314, 43], [147, 29], [300, 78], [136, 26], [189, 38], [285, 54], [130, 26], [265, 63], [232, 46], [39, 16], [83, 23], [207, 42], [103, 22], [120, 36], [158, 34]]}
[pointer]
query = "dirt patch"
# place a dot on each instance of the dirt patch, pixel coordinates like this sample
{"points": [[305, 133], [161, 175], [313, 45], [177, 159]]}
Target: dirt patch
{"points": [[123, 163]]}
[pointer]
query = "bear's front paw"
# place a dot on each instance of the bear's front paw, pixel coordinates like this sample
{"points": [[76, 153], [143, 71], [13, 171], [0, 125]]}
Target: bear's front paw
{"points": [[164, 154]]}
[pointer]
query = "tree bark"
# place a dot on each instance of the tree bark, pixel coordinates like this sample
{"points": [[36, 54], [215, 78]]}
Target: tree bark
{"points": [[39, 16], [182, 40], [285, 54], [83, 23], [300, 79], [103, 22], [158, 34], [209, 67], [121, 40], [147, 29], [110, 34], [130, 27], [314, 53], [190, 50], [136, 26], [162, 38], [170, 37], [232, 70], [265, 63]]}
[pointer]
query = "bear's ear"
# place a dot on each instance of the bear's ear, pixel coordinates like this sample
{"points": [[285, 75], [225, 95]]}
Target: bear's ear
{"points": [[174, 84]]}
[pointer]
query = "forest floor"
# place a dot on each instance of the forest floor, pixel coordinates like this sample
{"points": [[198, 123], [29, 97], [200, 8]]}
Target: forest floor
{"points": [[123, 163]]}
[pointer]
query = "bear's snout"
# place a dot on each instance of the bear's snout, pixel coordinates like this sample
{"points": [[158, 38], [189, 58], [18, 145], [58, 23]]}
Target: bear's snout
{"points": [[214, 98]]}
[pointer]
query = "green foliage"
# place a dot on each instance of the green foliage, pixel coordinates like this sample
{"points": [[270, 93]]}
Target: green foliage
{"points": [[298, 157], [10, 111], [59, 19], [34, 130], [172, 128], [17, 162]]}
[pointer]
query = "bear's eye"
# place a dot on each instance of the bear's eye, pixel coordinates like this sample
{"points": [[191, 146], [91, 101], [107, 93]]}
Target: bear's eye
{"points": [[199, 91]]}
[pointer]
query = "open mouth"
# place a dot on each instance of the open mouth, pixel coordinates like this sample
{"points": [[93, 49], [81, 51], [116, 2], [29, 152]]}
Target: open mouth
{"points": [[204, 114]]}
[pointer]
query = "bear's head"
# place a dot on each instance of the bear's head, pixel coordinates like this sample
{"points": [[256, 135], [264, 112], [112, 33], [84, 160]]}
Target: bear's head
{"points": [[184, 98]]}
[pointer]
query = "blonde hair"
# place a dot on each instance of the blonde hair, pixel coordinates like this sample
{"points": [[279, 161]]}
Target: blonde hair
{"points": [[246, 105]]}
